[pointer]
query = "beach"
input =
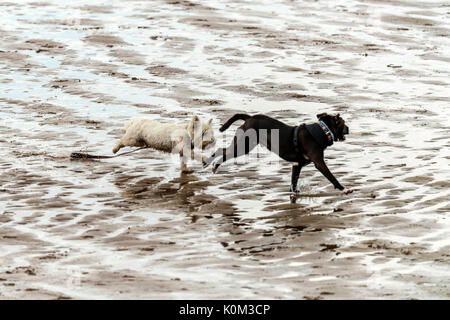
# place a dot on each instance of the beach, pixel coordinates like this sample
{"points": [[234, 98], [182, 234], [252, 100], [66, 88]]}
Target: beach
{"points": [[133, 227]]}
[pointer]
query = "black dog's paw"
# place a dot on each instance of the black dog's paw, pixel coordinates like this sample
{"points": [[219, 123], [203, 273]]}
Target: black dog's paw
{"points": [[293, 197], [214, 168]]}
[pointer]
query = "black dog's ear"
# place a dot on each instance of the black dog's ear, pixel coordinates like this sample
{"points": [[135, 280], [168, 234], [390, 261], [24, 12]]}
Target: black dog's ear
{"points": [[321, 115], [337, 117]]}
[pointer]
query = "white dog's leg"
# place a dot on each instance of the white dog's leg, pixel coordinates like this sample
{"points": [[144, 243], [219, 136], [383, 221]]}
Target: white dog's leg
{"points": [[118, 146], [183, 164], [126, 141]]}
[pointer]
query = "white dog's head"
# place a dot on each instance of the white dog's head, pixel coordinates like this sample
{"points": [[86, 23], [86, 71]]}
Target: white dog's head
{"points": [[201, 133]]}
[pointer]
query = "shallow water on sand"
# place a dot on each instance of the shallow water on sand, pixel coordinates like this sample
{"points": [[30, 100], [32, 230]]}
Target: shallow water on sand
{"points": [[132, 227]]}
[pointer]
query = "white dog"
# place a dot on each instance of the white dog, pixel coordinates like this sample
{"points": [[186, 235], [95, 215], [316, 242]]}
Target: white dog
{"points": [[167, 137]]}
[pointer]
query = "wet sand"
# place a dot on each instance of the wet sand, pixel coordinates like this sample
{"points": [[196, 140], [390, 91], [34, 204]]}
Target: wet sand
{"points": [[132, 227]]}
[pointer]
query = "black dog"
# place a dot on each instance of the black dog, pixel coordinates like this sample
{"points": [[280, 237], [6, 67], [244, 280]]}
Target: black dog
{"points": [[302, 145]]}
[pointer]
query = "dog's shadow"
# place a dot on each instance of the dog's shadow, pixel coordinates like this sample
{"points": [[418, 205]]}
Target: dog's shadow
{"points": [[293, 226], [185, 192]]}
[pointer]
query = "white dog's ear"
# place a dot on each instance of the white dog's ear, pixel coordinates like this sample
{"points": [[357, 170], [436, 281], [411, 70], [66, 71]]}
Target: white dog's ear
{"points": [[193, 124]]}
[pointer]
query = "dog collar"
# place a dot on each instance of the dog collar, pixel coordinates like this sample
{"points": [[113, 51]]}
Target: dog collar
{"points": [[327, 131]]}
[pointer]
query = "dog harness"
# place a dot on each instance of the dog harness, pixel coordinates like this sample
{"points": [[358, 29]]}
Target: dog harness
{"points": [[320, 132], [296, 145]]}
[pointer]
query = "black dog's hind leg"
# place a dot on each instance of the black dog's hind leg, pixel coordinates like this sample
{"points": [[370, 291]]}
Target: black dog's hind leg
{"points": [[242, 144], [219, 152]]}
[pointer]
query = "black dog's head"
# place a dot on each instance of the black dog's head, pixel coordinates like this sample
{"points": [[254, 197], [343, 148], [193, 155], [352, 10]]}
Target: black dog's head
{"points": [[336, 125]]}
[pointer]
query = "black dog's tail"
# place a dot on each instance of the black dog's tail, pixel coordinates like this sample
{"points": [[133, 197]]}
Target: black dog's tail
{"points": [[237, 116]]}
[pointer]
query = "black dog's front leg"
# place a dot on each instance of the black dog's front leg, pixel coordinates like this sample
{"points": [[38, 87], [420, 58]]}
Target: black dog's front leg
{"points": [[294, 180], [294, 177], [322, 167]]}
